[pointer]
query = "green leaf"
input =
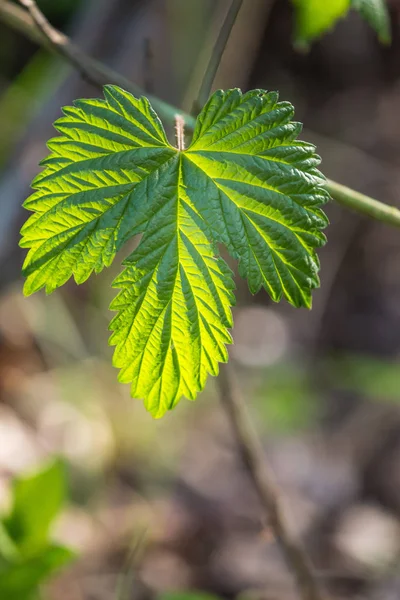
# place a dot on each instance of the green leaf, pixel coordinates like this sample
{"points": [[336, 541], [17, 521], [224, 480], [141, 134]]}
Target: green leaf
{"points": [[376, 13], [37, 500], [244, 182], [19, 581], [174, 307], [8, 550], [91, 197], [372, 377], [313, 17]]}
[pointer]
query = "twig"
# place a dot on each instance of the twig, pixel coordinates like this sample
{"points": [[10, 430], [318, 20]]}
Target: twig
{"points": [[263, 481], [364, 204], [217, 52], [60, 43], [92, 70], [99, 74]]}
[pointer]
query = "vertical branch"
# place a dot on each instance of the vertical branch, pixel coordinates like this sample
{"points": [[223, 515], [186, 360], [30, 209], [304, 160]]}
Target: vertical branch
{"points": [[180, 132], [217, 53], [262, 478]]}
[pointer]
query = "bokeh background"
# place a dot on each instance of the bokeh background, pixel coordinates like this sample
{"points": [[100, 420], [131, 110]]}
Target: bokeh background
{"points": [[165, 506]]}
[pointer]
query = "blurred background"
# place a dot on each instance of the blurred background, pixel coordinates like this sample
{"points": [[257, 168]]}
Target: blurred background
{"points": [[164, 508]]}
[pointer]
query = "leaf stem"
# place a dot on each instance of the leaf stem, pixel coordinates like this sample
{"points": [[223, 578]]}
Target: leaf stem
{"points": [[180, 132], [217, 53], [260, 474], [99, 74], [364, 204]]}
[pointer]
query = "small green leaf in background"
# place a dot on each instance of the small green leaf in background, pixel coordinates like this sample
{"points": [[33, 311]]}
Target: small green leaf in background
{"points": [[315, 17], [37, 500], [27, 556], [245, 181], [376, 13], [20, 580]]}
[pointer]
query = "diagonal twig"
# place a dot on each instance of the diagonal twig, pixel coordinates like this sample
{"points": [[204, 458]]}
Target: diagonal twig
{"points": [[89, 69], [33, 24], [258, 471]]}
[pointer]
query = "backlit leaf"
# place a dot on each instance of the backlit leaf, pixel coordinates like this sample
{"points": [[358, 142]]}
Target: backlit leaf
{"points": [[244, 182]]}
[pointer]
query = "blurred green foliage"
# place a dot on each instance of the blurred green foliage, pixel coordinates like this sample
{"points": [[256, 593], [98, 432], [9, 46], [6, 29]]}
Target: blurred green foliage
{"points": [[314, 18], [27, 555], [375, 12], [374, 378], [24, 97], [285, 401]]}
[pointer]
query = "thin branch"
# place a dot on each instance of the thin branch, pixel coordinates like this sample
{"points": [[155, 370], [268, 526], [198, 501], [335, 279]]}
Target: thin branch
{"points": [[56, 38], [99, 74], [364, 204], [217, 52], [257, 469], [92, 70]]}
